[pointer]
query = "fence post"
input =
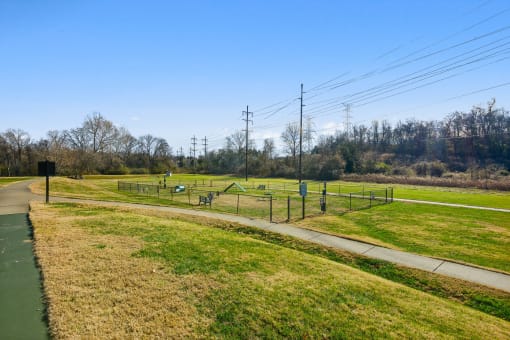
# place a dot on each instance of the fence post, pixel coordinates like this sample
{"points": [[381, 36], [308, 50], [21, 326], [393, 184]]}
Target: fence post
{"points": [[271, 209], [303, 207], [288, 208], [189, 196], [238, 204], [350, 201], [370, 193], [391, 195], [386, 200], [158, 191]]}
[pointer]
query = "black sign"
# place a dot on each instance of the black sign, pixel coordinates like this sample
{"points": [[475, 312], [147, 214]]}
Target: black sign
{"points": [[46, 168]]}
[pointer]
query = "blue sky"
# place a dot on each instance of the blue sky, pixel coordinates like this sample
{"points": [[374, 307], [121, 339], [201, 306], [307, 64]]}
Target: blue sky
{"points": [[178, 69]]}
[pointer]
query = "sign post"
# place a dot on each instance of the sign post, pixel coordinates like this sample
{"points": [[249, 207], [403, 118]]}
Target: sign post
{"points": [[303, 191], [46, 168]]}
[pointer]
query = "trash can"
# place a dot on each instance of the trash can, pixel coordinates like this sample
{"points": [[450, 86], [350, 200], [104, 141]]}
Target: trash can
{"points": [[179, 188]]}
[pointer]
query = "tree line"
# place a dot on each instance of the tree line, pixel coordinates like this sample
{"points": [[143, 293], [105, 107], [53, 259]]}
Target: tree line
{"points": [[460, 142]]}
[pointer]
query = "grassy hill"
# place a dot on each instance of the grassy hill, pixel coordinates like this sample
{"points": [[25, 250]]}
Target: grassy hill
{"points": [[119, 272]]}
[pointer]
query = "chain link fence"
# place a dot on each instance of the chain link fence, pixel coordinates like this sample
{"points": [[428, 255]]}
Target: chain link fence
{"points": [[277, 202]]}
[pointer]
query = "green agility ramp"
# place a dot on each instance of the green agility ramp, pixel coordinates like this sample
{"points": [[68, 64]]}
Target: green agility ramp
{"points": [[236, 186]]}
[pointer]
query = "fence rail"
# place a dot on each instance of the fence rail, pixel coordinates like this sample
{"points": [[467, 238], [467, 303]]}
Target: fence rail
{"points": [[139, 188], [274, 202]]}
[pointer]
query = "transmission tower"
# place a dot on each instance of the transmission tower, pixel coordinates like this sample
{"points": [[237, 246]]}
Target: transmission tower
{"points": [[194, 149], [347, 120], [247, 120], [204, 143]]}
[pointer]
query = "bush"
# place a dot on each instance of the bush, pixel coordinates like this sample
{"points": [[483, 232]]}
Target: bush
{"points": [[139, 171], [330, 170], [437, 169], [421, 169], [382, 168], [402, 171]]}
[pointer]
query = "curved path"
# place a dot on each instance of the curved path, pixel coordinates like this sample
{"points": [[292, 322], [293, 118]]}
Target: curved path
{"points": [[22, 309], [451, 205], [465, 272]]}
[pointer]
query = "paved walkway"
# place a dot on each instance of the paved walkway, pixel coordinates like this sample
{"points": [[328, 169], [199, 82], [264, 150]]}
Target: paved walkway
{"points": [[452, 205], [21, 300], [448, 268]]}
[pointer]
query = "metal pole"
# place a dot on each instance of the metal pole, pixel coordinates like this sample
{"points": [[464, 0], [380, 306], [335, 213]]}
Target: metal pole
{"points": [[350, 201], [301, 137], [271, 209], [288, 208], [303, 207], [47, 186]]}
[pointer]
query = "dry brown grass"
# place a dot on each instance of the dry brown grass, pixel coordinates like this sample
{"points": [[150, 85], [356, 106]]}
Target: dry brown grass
{"points": [[96, 288], [134, 296]]}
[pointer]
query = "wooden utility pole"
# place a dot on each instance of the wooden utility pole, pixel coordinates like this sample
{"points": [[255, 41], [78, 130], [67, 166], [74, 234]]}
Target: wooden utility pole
{"points": [[247, 119], [300, 135]]}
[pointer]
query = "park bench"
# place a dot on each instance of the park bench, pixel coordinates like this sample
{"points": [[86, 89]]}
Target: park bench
{"points": [[206, 199], [261, 187]]}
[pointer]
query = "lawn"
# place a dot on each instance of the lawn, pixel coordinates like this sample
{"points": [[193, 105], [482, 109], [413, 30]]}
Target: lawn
{"points": [[466, 235], [8, 180], [120, 273], [473, 236]]}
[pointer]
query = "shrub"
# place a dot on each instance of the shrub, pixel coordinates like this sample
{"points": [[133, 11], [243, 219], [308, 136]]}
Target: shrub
{"points": [[437, 169], [139, 171]]}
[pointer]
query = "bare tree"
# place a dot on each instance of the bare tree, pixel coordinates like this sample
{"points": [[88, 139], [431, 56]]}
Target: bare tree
{"points": [[290, 138], [235, 142], [269, 148], [17, 141], [100, 130]]}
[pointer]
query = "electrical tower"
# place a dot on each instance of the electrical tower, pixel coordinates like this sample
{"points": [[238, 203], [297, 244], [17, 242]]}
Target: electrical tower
{"points": [[204, 143], [247, 120], [194, 149], [347, 120]]}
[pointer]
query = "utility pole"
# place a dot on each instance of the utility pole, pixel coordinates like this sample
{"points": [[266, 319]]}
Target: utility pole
{"points": [[194, 149], [347, 120], [301, 134], [247, 120], [204, 143]]}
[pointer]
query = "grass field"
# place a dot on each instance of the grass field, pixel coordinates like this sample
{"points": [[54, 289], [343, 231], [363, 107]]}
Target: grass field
{"points": [[472, 236], [8, 180], [117, 273]]}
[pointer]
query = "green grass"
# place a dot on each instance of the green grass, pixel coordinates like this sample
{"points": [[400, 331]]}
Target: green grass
{"points": [[472, 236], [269, 286], [8, 180], [467, 235]]}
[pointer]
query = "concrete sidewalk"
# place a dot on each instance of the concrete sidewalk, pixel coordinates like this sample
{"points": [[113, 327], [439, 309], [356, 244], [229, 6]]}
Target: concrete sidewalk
{"points": [[465, 272], [22, 309]]}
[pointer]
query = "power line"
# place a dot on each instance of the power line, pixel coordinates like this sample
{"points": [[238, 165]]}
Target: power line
{"points": [[347, 117]]}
